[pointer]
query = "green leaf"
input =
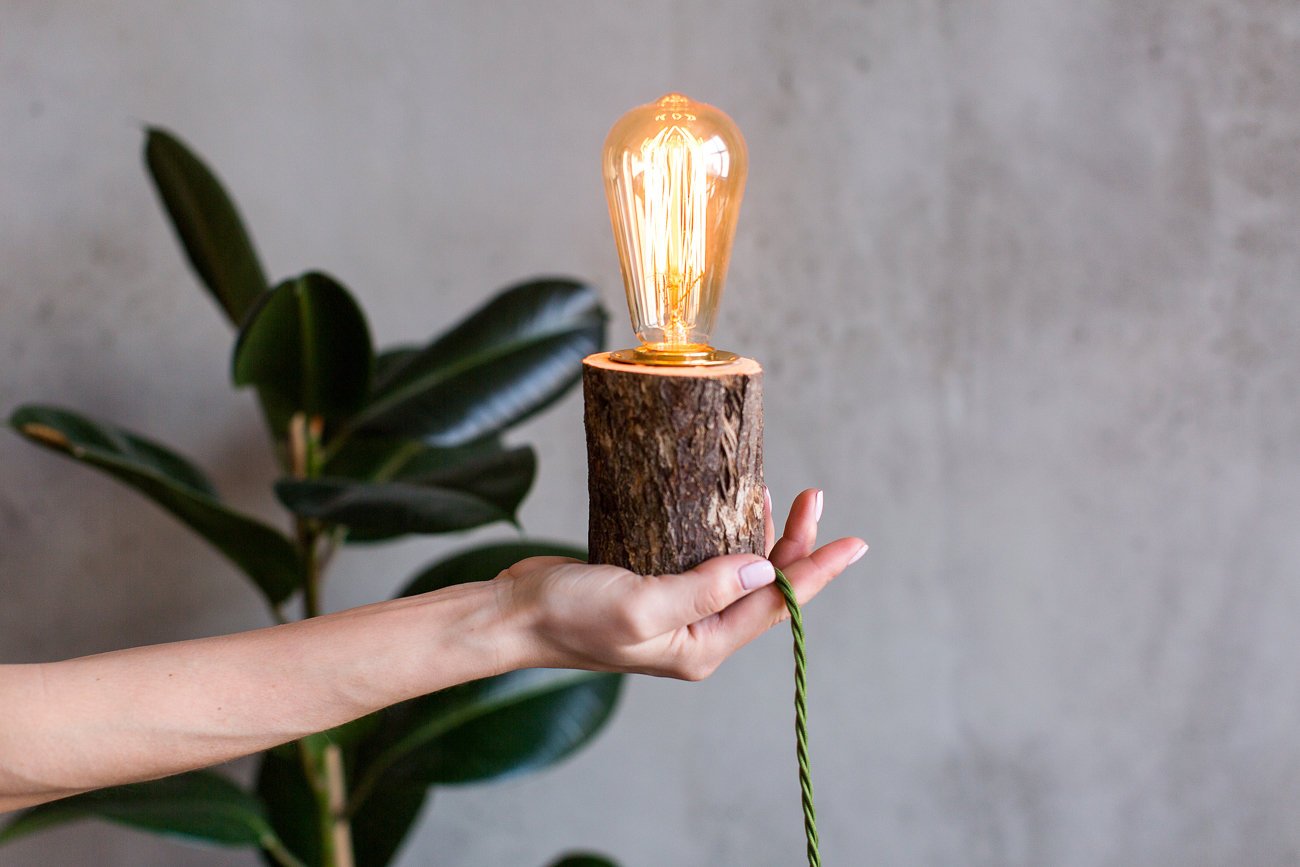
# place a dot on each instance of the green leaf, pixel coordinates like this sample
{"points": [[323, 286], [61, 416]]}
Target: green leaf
{"points": [[277, 411], [516, 722], [173, 483], [582, 859], [349, 734], [290, 804], [387, 508], [481, 469], [476, 492], [198, 806], [483, 563], [495, 727], [307, 343], [206, 222], [384, 459], [508, 360], [389, 360], [215, 241], [384, 820]]}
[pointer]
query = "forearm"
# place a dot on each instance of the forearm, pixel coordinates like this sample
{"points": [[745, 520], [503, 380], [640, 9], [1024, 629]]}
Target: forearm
{"points": [[151, 711]]}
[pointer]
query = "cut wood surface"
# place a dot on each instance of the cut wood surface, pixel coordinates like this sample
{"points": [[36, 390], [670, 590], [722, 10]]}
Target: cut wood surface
{"points": [[674, 462]]}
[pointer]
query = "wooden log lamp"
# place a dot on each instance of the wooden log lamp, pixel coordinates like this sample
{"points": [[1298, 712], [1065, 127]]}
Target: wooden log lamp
{"points": [[674, 426]]}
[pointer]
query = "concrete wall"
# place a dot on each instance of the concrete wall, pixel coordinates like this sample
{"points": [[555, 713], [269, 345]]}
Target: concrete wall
{"points": [[1025, 280]]}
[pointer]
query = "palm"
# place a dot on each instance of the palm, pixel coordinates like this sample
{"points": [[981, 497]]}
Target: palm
{"points": [[607, 618]]}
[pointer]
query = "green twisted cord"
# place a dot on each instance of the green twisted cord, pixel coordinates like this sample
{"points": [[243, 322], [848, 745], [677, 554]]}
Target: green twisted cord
{"points": [[801, 717]]}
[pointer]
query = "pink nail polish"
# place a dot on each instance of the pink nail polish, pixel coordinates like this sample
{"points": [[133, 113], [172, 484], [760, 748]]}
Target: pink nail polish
{"points": [[756, 574], [820, 503], [767, 498], [858, 556]]}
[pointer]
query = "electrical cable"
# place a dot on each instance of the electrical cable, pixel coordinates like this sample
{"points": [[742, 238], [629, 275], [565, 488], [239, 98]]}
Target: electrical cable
{"points": [[801, 718]]}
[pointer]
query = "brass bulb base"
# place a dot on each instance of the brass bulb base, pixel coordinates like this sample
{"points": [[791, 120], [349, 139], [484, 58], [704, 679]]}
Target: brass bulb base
{"points": [[689, 356]]}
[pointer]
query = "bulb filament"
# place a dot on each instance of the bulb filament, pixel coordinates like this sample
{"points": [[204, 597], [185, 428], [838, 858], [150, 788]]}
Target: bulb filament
{"points": [[673, 169]]}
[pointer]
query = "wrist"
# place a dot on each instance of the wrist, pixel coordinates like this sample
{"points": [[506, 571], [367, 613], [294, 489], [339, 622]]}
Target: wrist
{"points": [[472, 631], [499, 627]]}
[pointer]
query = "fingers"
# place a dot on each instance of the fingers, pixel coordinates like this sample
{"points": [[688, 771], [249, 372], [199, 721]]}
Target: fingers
{"points": [[755, 614], [800, 533], [668, 602], [809, 575]]}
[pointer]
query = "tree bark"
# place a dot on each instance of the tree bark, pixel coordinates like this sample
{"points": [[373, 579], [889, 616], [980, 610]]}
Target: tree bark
{"points": [[674, 463]]}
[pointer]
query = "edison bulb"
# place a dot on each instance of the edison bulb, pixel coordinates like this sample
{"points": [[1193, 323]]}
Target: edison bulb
{"points": [[674, 176]]}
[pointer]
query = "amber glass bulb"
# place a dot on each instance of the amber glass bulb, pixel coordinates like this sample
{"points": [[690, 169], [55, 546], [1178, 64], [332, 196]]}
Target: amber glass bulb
{"points": [[674, 175]]}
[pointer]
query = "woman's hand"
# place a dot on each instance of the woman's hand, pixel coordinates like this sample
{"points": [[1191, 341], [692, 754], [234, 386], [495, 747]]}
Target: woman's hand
{"points": [[609, 619]]}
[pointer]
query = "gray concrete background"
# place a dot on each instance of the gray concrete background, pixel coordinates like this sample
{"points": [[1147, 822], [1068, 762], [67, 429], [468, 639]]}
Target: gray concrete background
{"points": [[1023, 275]]}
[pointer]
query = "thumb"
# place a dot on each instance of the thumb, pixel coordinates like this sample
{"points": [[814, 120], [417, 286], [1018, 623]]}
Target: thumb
{"points": [[672, 601]]}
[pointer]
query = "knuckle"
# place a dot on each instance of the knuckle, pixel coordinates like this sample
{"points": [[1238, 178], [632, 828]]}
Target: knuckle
{"points": [[696, 669], [710, 599], [631, 621]]}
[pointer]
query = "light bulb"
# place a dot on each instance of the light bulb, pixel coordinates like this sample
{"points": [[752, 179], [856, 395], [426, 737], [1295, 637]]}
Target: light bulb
{"points": [[674, 175]]}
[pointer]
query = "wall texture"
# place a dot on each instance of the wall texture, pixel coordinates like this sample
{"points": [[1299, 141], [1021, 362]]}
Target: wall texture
{"points": [[1025, 279]]}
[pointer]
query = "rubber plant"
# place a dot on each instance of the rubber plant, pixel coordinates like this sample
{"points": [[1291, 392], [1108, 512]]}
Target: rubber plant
{"points": [[373, 445]]}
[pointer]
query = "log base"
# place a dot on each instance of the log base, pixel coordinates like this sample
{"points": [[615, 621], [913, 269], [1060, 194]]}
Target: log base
{"points": [[674, 462]]}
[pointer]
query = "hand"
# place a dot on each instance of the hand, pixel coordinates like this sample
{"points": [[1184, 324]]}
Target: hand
{"points": [[609, 619]]}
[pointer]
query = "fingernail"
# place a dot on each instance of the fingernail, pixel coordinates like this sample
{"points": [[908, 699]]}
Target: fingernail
{"points": [[756, 574], [858, 556], [767, 498], [820, 503]]}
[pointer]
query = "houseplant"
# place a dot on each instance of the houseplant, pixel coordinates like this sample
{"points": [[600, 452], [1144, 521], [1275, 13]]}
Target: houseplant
{"points": [[372, 445]]}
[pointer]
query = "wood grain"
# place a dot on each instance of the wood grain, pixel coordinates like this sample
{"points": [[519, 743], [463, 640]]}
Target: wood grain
{"points": [[674, 463]]}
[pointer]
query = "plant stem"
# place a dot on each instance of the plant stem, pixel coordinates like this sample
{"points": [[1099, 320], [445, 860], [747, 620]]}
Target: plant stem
{"points": [[305, 454], [307, 537], [340, 827], [399, 459], [332, 824], [329, 548], [280, 853], [322, 761]]}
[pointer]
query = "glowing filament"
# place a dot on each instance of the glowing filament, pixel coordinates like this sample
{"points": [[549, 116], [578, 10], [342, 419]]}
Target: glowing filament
{"points": [[673, 234]]}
